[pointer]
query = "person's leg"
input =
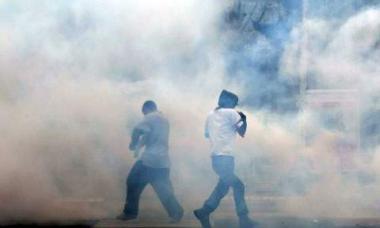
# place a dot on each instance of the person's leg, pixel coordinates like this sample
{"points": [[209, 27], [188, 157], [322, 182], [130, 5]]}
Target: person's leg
{"points": [[238, 187], [213, 201], [136, 182], [160, 181], [224, 166], [220, 166], [239, 197], [203, 214]]}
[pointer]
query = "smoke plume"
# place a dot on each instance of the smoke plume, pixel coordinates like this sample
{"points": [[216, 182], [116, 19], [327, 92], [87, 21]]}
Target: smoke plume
{"points": [[74, 75]]}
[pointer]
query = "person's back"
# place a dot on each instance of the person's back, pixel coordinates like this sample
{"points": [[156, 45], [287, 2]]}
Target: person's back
{"points": [[156, 140], [221, 130], [153, 167]]}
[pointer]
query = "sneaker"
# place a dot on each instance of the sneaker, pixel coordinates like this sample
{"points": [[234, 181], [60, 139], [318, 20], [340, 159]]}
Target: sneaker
{"points": [[124, 216], [246, 222], [204, 218]]}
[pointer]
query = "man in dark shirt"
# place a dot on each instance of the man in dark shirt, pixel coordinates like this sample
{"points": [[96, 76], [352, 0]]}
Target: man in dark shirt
{"points": [[153, 166]]}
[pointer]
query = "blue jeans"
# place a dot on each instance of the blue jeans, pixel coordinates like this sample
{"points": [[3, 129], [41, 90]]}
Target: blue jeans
{"points": [[138, 178], [224, 168]]}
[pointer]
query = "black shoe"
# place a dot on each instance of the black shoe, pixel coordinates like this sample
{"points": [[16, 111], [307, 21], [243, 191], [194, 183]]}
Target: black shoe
{"points": [[177, 218], [204, 218], [124, 216], [246, 222]]}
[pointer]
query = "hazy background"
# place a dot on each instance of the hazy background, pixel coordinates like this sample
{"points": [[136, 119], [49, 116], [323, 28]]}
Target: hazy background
{"points": [[75, 73]]}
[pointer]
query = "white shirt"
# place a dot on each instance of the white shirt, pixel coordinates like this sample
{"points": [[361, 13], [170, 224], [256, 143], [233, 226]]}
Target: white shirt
{"points": [[220, 128]]}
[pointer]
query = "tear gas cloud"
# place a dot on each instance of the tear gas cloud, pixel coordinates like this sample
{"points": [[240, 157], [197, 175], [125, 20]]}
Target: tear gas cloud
{"points": [[75, 73]]}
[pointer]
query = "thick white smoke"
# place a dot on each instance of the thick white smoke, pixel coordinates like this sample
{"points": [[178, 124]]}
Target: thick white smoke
{"points": [[341, 55], [73, 77]]}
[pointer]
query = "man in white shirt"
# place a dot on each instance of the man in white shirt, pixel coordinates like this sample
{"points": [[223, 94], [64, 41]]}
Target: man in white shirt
{"points": [[153, 167], [222, 125]]}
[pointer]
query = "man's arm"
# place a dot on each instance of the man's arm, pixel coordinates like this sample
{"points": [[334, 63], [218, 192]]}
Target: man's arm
{"points": [[241, 126], [207, 134], [136, 134]]}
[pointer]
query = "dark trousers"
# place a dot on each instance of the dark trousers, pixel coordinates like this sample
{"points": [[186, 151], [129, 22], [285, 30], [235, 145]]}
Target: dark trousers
{"points": [[141, 175], [224, 167]]}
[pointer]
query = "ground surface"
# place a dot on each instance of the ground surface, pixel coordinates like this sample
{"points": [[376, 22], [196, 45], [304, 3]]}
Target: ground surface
{"points": [[265, 222], [228, 221], [265, 211]]}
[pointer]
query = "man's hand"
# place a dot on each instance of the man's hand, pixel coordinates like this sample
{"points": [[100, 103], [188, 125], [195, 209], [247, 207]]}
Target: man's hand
{"points": [[242, 125], [243, 116]]}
